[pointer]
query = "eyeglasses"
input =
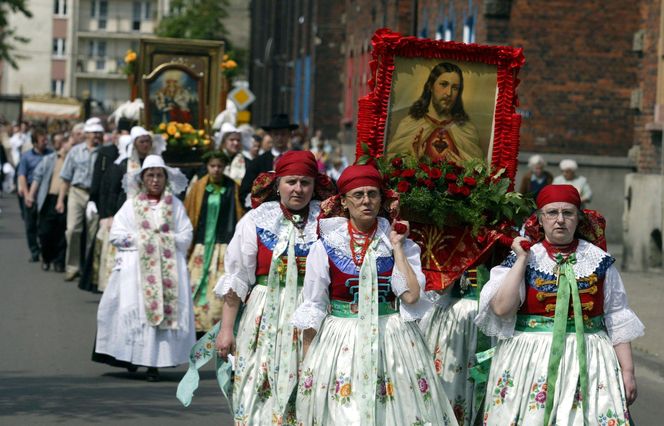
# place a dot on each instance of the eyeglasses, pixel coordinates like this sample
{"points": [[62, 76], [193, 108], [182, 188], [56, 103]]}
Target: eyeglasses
{"points": [[359, 196], [554, 214]]}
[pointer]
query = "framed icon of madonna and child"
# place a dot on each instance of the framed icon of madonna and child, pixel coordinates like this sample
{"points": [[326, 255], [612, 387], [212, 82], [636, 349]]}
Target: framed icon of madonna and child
{"points": [[442, 100]]}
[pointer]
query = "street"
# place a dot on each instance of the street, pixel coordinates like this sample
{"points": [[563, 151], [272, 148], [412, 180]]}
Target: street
{"points": [[46, 376]]}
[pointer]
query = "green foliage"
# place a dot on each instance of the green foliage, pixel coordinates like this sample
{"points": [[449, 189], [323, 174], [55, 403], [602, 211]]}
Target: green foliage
{"points": [[448, 194], [195, 19], [8, 36]]}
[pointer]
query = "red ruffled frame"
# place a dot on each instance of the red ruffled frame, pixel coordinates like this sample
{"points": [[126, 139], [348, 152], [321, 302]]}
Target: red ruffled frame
{"points": [[373, 108]]}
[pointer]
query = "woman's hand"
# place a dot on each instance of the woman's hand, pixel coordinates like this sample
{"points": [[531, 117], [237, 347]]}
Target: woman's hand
{"points": [[399, 232], [518, 249], [630, 386], [225, 344]]}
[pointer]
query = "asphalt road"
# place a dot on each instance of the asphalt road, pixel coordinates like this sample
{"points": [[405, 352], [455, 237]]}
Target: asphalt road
{"points": [[46, 376]]}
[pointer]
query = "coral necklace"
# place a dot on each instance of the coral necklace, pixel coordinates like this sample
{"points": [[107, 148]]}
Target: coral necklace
{"points": [[361, 240]]}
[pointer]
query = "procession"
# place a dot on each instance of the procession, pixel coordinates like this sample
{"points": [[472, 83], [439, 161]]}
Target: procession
{"points": [[427, 271]]}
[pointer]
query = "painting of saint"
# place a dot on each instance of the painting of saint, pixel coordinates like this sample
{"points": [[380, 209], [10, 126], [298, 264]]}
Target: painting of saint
{"points": [[437, 124], [174, 97]]}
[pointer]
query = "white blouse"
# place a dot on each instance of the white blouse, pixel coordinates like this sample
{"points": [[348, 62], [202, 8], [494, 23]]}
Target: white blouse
{"points": [[265, 222], [334, 235], [621, 322]]}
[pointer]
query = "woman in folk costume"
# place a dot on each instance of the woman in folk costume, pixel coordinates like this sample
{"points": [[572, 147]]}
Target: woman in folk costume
{"points": [[112, 196], [453, 339], [145, 316], [368, 363], [213, 206], [264, 270], [561, 309]]}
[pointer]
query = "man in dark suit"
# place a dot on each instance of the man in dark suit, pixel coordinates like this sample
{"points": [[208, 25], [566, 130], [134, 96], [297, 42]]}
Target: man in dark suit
{"points": [[279, 129]]}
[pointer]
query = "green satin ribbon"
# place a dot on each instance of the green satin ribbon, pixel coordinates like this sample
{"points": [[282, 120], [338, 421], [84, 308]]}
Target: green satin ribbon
{"points": [[343, 309], [201, 353], [539, 323], [213, 207], [567, 287]]}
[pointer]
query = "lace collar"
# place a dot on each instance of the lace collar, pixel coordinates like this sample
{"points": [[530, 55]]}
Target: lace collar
{"points": [[334, 232], [268, 217], [590, 259]]}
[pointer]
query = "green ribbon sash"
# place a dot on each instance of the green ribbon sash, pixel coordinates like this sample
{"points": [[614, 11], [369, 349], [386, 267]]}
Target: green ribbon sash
{"points": [[201, 353], [213, 207], [343, 309], [567, 288]]}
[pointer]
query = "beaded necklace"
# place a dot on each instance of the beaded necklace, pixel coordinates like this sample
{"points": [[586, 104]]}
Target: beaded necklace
{"points": [[361, 240]]}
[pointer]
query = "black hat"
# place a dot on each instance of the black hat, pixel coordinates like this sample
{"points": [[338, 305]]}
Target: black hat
{"points": [[280, 121]]}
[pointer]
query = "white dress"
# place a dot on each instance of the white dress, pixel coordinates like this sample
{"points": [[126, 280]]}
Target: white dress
{"points": [[122, 328], [407, 390], [517, 387], [255, 401]]}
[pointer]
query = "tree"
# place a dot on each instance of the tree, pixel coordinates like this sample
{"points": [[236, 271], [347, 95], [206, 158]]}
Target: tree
{"points": [[195, 19], [8, 36]]}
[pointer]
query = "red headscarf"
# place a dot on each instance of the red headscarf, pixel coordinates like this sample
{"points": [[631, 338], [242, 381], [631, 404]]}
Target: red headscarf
{"points": [[558, 194], [357, 176], [297, 163]]}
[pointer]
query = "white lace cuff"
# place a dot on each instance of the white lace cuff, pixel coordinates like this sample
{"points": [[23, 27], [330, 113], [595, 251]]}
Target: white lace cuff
{"points": [[229, 282], [398, 282], [308, 315], [623, 326], [417, 310]]}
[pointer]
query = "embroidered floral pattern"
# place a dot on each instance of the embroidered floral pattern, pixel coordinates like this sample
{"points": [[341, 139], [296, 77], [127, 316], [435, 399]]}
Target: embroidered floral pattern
{"points": [[537, 397], [263, 390], [384, 389], [205, 350], [307, 382], [500, 390], [459, 408], [156, 248], [610, 418], [342, 390], [423, 385]]}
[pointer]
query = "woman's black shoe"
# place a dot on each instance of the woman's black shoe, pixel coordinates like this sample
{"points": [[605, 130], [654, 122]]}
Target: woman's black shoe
{"points": [[152, 374], [132, 368]]}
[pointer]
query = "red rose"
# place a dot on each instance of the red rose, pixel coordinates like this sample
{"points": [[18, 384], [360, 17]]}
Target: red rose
{"points": [[403, 186], [470, 181], [396, 173], [451, 177], [425, 168], [464, 191], [429, 183], [435, 173], [397, 162], [408, 173], [400, 228], [453, 189]]}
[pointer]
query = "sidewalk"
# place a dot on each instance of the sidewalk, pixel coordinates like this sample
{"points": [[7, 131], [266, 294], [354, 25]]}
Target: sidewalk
{"points": [[645, 292]]}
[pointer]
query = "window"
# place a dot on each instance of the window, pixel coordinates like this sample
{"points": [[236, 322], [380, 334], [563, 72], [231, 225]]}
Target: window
{"points": [[60, 7], [469, 30], [146, 10], [59, 46], [103, 14], [93, 8], [136, 16], [58, 87], [101, 55]]}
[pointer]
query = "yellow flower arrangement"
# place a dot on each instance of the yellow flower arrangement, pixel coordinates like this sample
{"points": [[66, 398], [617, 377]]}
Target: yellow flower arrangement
{"points": [[183, 136], [229, 66], [130, 62]]}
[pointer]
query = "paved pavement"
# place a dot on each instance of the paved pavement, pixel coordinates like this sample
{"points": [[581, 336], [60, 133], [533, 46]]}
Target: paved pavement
{"points": [[48, 328]]}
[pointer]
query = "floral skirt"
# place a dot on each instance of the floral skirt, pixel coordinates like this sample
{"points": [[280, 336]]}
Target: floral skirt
{"points": [[516, 392], [407, 390], [451, 336], [208, 314], [253, 399]]}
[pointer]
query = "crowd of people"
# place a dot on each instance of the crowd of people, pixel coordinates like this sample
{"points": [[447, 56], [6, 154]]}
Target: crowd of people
{"points": [[280, 258]]}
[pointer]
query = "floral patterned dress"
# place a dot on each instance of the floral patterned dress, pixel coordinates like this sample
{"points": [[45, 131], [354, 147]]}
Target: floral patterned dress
{"points": [[517, 386], [405, 388], [259, 394]]}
